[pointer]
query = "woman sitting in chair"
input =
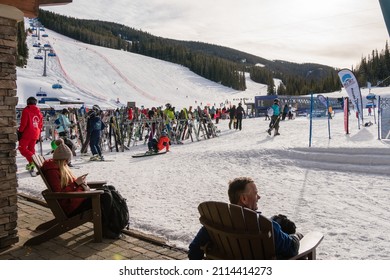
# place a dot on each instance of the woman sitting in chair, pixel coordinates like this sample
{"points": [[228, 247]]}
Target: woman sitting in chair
{"points": [[61, 179]]}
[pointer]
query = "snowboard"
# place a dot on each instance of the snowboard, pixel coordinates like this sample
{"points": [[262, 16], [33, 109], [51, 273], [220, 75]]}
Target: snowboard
{"points": [[146, 154]]}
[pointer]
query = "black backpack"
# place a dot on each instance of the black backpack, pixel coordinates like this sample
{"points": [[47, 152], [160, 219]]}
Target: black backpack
{"points": [[286, 224], [119, 213]]}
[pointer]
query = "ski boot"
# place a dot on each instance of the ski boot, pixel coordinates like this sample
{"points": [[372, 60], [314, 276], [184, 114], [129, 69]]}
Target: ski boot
{"points": [[94, 158], [31, 169], [30, 166]]}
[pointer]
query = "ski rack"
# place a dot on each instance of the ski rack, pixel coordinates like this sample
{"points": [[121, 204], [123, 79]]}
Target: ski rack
{"points": [[121, 134]]}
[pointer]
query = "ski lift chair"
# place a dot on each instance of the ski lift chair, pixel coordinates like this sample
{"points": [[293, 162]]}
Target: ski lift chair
{"points": [[57, 86], [61, 222], [238, 233]]}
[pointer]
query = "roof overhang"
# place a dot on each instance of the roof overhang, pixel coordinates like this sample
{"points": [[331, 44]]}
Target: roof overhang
{"points": [[30, 7]]}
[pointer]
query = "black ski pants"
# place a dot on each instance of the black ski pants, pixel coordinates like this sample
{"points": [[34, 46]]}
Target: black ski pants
{"points": [[274, 122]]}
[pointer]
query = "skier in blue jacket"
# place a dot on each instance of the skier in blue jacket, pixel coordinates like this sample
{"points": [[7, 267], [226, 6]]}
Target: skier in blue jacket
{"points": [[243, 191], [275, 118]]}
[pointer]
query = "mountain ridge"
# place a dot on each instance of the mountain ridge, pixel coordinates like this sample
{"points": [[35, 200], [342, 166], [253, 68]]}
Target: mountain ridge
{"points": [[217, 63]]}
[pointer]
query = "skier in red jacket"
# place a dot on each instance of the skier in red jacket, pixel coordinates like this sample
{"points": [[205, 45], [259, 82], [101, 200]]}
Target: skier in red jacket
{"points": [[29, 131]]}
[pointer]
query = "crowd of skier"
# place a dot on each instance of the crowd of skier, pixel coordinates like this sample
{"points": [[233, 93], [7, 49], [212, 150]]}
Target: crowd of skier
{"points": [[108, 130], [99, 129], [102, 130]]}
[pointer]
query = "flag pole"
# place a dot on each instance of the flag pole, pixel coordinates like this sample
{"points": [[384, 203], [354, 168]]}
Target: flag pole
{"points": [[329, 116], [311, 118]]}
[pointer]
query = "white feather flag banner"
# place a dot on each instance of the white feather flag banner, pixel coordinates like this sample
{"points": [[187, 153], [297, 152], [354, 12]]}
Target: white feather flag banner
{"points": [[351, 85]]}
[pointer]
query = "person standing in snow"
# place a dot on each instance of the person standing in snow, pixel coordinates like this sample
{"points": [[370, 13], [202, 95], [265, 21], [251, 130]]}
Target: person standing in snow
{"points": [[285, 112], [169, 118], [212, 112], [232, 115], [63, 128], [243, 192], [130, 114], [95, 126], [29, 131], [275, 119], [152, 124], [240, 113], [217, 115]]}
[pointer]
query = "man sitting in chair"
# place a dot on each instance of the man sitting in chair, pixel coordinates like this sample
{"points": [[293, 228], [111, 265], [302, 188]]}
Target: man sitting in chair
{"points": [[243, 191]]}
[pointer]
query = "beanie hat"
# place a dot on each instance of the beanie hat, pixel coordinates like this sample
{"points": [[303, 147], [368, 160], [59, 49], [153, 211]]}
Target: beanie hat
{"points": [[62, 151], [31, 100]]}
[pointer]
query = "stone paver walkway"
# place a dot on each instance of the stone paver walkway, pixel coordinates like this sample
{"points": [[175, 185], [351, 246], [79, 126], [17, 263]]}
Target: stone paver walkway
{"points": [[78, 244]]}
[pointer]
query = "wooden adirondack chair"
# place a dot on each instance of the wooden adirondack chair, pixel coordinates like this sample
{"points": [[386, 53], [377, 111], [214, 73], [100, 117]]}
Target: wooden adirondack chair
{"points": [[240, 233], [61, 222]]}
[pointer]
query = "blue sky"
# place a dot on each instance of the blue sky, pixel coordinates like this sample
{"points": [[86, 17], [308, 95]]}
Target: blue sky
{"points": [[332, 32]]}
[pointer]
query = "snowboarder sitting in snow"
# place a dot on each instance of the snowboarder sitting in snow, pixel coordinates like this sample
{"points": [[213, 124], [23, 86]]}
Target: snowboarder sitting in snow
{"points": [[163, 142]]}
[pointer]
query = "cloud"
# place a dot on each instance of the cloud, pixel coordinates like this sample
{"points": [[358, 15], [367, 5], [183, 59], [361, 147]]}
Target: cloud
{"points": [[331, 32]]}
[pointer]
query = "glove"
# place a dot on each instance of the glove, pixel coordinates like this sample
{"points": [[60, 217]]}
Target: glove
{"points": [[300, 235]]}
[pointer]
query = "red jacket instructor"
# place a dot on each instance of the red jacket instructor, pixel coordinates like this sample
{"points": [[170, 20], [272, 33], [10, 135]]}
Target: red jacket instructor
{"points": [[30, 129]]}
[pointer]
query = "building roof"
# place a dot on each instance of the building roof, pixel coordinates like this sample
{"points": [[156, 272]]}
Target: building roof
{"points": [[30, 7]]}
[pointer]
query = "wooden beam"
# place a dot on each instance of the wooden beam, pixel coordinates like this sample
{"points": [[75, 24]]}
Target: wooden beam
{"points": [[53, 2], [30, 7]]}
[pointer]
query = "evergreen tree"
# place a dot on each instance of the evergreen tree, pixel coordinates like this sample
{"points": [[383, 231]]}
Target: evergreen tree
{"points": [[216, 63], [22, 50]]}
